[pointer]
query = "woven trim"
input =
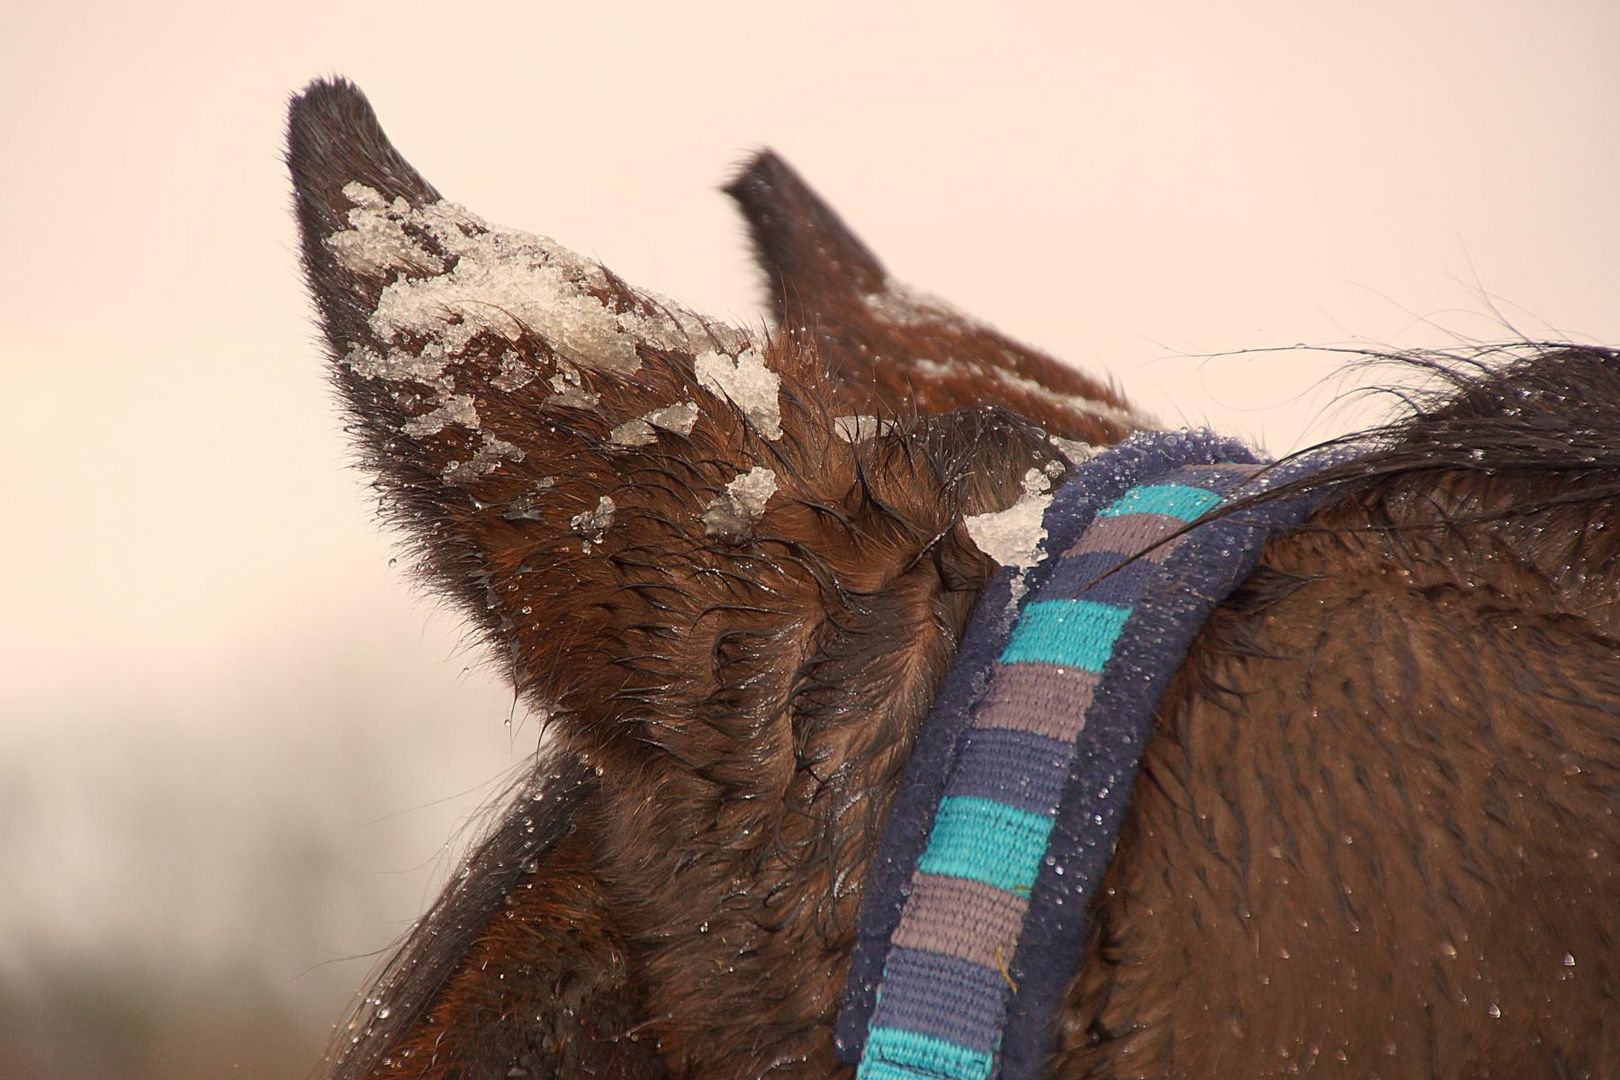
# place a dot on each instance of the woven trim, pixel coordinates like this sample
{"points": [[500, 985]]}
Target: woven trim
{"points": [[983, 942]]}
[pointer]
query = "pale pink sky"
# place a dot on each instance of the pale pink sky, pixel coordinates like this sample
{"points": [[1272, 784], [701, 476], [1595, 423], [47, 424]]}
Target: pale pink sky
{"points": [[204, 652]]}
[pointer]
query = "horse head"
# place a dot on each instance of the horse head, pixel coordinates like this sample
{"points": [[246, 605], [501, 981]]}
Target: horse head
{"points": [[730, 565]]}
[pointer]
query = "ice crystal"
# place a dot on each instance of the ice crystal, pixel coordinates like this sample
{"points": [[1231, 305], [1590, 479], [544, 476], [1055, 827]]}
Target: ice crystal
{"points": [[731, 513], [454, 409], [592, 524], [748, 383], [1013, 536]]}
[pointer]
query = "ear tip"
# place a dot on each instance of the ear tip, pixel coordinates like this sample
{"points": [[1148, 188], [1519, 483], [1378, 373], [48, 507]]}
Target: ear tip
{"points": [[795, 232], [763, 170], [334, 136], [324, 89], [326, 109]]}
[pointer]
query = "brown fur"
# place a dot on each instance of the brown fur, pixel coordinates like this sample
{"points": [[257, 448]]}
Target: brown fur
{"points": [[1376, 818], [821, 277]]}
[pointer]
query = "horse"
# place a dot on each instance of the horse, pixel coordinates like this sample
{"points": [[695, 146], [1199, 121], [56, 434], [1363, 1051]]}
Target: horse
{"points": [[1374, 829]]}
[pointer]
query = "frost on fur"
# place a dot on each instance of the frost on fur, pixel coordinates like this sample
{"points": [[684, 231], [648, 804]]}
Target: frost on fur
{"points": [[1013, 536]]}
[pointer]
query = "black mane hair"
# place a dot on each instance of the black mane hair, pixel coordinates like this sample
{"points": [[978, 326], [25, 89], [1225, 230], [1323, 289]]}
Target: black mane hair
{"points": [[1515, 411]]}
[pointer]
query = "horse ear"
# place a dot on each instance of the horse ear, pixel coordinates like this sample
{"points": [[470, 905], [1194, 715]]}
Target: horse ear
{"points": [[654, 517], [541, 428], [891, 350], [807, 252]]}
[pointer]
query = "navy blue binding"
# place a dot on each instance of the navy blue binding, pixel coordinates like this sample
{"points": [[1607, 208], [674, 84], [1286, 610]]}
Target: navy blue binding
{"points": [[1219, 555]]}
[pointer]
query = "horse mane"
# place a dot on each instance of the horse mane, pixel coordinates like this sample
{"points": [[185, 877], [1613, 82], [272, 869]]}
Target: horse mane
{"points": [[537, 813], [1509, 411], [1509, 452]]}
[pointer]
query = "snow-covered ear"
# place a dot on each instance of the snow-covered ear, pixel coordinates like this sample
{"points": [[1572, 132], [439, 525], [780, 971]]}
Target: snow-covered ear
{"points": [[451, 335], [537, 424], [893, 350], [655, 517]]}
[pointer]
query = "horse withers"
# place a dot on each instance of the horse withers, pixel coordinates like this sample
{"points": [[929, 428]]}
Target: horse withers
{"points": [[1374, 829]]}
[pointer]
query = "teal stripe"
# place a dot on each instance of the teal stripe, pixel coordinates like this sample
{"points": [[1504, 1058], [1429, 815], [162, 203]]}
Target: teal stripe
{"points": [[1174, 500], [987, 841], [882, 1070], [1068, 633], [897, 1054]]}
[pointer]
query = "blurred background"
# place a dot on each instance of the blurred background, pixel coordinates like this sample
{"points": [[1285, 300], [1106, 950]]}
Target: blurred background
{"points": [[239, 750]]}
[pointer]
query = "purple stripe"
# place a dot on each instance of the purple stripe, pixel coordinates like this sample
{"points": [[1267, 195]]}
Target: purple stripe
{"points": [[1012, 766], [1101, 576], [966, 919], [942, 996]]}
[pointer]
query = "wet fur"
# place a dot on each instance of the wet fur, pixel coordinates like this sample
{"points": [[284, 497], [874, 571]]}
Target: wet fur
{"points": [[1415, 706], [1380, 803]]}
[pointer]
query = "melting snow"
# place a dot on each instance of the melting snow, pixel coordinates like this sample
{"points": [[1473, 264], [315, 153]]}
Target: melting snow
{"points": [[635, 432], [1076, 402], [977, 369], [730, 513], [514, 374], [376, 240], [639, 432], [1013, 536], [902, 305], [680, 418], [593, 523], [399, 365], [1076, 451], [528, 507], [568, 389], [455, 409], [751, 386], [858, 428], [485, 460], [502, 281]]}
